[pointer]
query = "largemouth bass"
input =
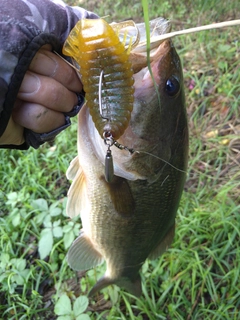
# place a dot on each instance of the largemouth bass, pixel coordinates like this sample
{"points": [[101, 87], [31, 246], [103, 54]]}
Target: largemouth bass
{"points": [[132, 218]]}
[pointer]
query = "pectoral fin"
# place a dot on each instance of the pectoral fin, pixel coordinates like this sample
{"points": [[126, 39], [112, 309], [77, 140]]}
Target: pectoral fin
{"points": [[121, 196], [164, 244], [73, 169], [82, 255]]}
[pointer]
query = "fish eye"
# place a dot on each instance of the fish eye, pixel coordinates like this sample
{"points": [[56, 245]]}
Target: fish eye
{"points": [[172, 86]]}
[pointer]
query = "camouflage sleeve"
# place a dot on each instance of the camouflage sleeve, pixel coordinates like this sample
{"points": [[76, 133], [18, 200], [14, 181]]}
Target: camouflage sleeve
{"points": [[25, 26]]}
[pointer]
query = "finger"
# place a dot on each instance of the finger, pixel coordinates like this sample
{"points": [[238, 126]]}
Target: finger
{"points": [[48, 92], [37, 117], [47, 63]]}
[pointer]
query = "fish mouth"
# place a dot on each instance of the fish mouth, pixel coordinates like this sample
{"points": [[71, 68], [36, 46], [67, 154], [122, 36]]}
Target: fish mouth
{"points": [[139, 55], [142, 73]]}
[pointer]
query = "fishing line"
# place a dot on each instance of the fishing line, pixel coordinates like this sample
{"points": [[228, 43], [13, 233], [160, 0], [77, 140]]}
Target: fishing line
{"points": [[132, 151], [164, 180], [165, 161], [211, 26], [69, 63]]}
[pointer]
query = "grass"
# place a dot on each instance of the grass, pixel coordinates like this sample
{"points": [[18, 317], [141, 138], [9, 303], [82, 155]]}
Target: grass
{"points": [[198, 278]]}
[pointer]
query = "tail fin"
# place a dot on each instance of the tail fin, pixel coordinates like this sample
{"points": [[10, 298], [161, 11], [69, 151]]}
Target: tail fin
{"points": [[133, 287]]}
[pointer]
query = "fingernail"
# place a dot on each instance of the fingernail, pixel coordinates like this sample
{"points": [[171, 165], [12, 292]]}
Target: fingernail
{"points": [[50, 66], [31, 83]]}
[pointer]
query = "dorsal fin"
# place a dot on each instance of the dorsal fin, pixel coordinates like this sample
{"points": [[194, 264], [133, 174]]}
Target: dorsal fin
{"points": [[121, 196], [163, 245]]}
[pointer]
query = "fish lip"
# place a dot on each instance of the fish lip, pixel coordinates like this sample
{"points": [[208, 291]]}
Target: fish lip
{"points": [[143, 78], [139, 61]]}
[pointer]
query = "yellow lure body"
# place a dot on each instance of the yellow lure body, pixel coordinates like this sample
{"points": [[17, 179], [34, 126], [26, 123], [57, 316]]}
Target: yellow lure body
{"points": [[96, 47]]}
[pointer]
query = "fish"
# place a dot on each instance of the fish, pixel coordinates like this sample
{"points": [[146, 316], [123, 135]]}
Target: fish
{"points": [[131, 218]]}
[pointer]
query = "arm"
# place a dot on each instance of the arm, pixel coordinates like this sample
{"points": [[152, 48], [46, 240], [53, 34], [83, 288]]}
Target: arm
{"points": [[28, 26]]}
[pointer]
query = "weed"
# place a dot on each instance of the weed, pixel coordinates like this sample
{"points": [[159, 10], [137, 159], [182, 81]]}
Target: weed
{"points": [[65, 311]]}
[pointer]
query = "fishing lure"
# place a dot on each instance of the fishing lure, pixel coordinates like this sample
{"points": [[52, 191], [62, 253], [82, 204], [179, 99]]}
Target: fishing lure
{"points": [[106, 74], [107, 77]]}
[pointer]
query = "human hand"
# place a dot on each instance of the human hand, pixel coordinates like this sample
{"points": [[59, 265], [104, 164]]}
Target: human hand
{"points": [[48, 89]]}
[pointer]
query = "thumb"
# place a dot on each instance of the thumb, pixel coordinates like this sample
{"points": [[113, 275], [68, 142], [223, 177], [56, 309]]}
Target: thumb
{"points": [[13, 134]]}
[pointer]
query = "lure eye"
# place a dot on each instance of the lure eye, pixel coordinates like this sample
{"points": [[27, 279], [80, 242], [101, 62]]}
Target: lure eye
{"points": [[172, 86]]}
